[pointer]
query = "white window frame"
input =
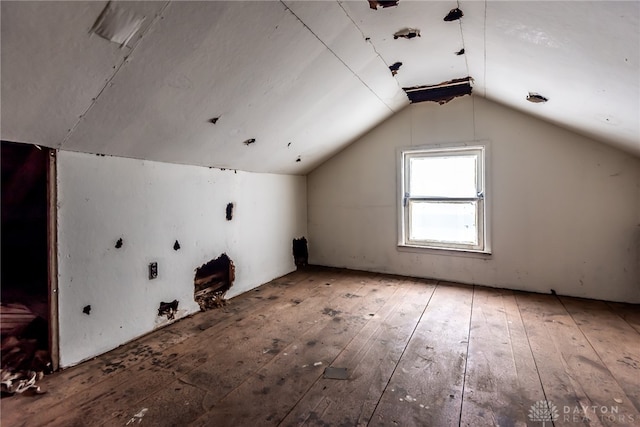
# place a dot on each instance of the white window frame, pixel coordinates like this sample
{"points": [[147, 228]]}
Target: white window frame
{"points": [[479, 149]]}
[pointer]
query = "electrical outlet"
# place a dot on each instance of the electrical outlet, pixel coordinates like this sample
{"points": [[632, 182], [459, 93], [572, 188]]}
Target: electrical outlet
{"points": [[153, 270]]}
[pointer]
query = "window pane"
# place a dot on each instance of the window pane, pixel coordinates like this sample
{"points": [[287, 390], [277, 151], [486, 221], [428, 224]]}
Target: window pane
{"points": [[453, 222], [453, 176]]}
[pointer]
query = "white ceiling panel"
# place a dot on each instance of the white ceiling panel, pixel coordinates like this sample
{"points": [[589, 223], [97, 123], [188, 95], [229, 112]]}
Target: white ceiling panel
{"points": [[302, 78]]}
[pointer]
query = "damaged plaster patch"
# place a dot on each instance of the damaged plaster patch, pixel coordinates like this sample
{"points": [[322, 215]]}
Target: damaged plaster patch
{"points": [[394, 68], [168, 309], [441, 92], [536, 98], [373, 4], [212, 281], [454, 15], [117, 23], [407, 33]]}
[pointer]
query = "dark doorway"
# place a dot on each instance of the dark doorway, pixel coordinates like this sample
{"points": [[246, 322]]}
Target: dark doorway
{"points": [[25, 244]]}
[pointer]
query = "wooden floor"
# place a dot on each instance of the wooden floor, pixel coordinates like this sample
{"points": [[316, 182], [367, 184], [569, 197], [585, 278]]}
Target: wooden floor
{"points": [[416, 353]]}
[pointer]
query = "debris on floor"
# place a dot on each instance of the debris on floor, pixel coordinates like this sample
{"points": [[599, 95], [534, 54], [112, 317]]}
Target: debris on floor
{"points": [[335, 373], [138, 417], [24, 348]]}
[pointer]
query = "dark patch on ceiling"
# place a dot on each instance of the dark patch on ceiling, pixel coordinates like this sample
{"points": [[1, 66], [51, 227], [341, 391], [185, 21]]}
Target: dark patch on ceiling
{"points": [[373, 4], [454, 15], [394, 68], [407, 33], [536, 98], [441, 92], [249, 141], [460, 52], [176, 246]]}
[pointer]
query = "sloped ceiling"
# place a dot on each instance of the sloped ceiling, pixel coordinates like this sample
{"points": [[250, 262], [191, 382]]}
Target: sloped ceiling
{"points": [[302, 78]]}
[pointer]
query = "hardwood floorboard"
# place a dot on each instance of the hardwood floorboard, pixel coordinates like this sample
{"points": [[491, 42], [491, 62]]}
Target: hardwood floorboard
{"points": [[501, 382], [608, 334], [416, 353], [573, 377], [426, 386]]}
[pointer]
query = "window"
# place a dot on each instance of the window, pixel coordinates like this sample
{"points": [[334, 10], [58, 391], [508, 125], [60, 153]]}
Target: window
{"points": [[443, 198]]}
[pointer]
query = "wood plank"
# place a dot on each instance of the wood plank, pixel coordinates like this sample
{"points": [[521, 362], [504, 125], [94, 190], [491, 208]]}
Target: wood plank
{"points": [[370, 359], [426, 387], [629, 312], [573, 377], [267, 397], [501, 382], [616, 343]]}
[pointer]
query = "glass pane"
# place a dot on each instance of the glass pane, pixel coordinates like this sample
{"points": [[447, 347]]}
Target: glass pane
{"points": [[452, 222], [453, 176]]}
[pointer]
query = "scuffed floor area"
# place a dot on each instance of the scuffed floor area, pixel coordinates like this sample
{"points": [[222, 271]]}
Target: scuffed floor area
{"points": [[401, 351]]}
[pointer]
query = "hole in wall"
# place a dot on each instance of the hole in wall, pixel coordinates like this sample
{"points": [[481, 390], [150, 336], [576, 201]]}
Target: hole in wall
{"points": [[460, 52], [300, 252], [229, 212], [212, 281], [176, 246], [86, 309], [168, 309], [214, 120], [119, 244], [249, 141]]}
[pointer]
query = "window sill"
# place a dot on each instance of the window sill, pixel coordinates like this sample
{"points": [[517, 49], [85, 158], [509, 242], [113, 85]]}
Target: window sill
{"points": [[446, 252]]}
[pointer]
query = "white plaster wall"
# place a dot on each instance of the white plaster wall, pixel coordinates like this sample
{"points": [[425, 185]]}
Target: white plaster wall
{"points": [[150, 205], [565, 210]]}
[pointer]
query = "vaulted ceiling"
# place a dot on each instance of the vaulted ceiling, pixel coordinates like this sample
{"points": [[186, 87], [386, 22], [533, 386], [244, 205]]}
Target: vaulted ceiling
{"points": [[289, 83]]}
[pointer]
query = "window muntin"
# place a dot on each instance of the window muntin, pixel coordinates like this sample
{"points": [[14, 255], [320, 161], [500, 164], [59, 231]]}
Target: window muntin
{"points": [[443, 204]]}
